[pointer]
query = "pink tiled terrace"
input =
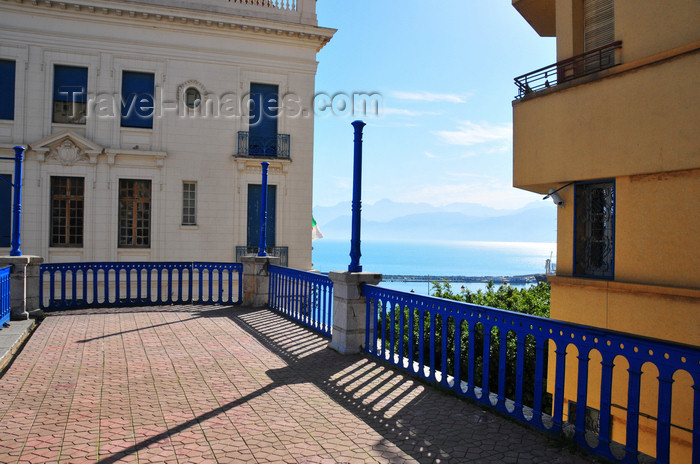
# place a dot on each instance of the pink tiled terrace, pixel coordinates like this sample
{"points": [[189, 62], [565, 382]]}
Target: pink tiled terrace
{"points": [[226, 384]]}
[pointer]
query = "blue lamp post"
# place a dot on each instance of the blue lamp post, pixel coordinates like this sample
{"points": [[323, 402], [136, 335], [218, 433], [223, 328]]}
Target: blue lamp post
{"points": [[355, 253], [263, 211], [16, 201]]}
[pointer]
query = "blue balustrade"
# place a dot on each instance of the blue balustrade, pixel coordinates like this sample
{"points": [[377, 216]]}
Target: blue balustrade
{"points": [[5, 307], [305, 297], [114, 284], [512, 362]]}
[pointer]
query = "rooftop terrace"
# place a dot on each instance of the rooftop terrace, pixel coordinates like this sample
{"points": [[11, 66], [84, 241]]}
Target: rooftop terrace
{"points": [[231, 384]]}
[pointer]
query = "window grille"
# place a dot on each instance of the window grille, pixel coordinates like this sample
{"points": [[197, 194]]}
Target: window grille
{"points": [[594, 229]]}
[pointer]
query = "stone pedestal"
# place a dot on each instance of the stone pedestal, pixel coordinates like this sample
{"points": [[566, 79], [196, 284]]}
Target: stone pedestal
{"points": [[24, 285], [350, 310], [256, 280]]}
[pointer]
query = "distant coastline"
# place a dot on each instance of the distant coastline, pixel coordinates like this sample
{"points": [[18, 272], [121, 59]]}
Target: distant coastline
{"points": [[519, 279]]}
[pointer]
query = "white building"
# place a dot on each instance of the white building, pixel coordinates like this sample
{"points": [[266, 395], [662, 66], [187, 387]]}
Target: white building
{"points": [[146, 122]]}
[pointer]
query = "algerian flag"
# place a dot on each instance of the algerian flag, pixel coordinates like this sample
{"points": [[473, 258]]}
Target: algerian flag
{"points": [[315, 231]]}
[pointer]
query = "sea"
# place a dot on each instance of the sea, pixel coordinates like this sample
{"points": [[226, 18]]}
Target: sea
{"points": [[437, 258]]}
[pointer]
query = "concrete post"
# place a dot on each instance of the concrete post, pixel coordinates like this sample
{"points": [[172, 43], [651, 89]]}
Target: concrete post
{"points": [[256, 280], [350, 310], [24, 285]]}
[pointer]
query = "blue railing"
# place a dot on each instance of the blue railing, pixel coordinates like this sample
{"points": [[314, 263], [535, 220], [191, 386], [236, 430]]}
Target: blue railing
{"points": [[443, 342], [113, 284], [306, 297], [4, 296]]}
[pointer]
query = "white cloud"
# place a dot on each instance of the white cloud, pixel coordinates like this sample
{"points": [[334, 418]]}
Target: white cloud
{"points": [[408, 113], [485, 191], [469, 133], [429, 96], [430, 155]]}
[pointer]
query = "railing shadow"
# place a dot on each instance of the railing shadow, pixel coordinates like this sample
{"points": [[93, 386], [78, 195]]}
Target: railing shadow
{"points": [[407, 416]]}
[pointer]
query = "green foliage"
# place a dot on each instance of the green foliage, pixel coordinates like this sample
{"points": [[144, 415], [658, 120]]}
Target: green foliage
{"points": [[533, 300], [410, 324]]}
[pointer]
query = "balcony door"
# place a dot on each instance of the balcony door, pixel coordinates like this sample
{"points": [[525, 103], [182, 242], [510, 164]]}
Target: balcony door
{"points": [[263, 119], [598, 31], [254, 198]]}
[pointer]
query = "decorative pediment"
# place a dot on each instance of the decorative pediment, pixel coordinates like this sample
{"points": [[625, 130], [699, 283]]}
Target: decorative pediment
{"points": [[66, 147]]}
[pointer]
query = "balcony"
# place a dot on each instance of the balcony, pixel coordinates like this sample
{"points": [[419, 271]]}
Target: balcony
{"points": [[280, 252], [266, 147], [567, 70]]}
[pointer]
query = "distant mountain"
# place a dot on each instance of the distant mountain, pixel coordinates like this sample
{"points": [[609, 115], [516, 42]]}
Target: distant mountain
{"points": [[385, 220]]}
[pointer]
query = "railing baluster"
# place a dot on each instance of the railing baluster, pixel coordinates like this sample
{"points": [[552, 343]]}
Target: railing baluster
{"points": [[486, 357], [663, 427], [502, 351], [471, 384], [540, 350], [445, 320], [581, 398], [633, 389], [519, 373], [63, 286], [559, 380], [605, 400], [457, 386]]}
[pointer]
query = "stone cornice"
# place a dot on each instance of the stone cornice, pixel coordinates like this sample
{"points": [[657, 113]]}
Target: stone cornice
{"points": [[185, 18]]}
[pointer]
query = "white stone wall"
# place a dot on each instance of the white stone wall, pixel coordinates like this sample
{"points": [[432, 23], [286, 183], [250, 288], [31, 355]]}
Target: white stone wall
{"points": [[221, 53]]}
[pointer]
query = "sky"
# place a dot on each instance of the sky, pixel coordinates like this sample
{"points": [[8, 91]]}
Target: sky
{"points": [[444, 72]]}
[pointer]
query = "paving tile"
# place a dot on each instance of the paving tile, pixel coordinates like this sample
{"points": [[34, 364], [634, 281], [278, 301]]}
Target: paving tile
{"points": [[231, 384]]}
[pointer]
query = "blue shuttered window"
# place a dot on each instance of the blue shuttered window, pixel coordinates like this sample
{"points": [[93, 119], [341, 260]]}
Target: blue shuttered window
{"points": [[69, 94], [264, 103], [7, 89], [138, 90], [5, 210]]}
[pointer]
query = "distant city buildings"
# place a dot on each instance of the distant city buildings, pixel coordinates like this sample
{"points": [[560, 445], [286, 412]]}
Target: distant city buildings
{"points": [[146, 122], [611, 128]]}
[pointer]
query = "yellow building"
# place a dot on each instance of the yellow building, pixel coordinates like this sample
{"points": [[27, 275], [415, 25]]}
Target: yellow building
{"points": [[612, 127]]}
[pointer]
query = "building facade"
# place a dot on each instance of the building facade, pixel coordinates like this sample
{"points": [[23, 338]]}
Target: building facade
{"points": [[146, 121], [611, 128]]}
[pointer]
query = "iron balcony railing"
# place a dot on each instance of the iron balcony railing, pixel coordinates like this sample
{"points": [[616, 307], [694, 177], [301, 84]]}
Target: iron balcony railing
{"points": [[567, 70], [5, 307], [281, 252], [101, 285], [503, 359], [305, 297], [274, 147]]}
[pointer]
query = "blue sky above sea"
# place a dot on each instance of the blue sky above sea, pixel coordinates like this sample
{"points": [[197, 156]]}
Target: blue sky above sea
{"points": [[445, 73]]}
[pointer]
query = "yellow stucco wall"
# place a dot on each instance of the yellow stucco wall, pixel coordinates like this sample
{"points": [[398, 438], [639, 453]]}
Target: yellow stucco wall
{"points": [[645, 27], [639, 121]]}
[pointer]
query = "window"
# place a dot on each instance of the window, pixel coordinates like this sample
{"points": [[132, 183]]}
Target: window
{"points": [[7, 89], [67, 205], [263, 120], [189, 203], [594, 229], [138, 105], [192, 97], [5, 210], [69, 94], [134, 213]]}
